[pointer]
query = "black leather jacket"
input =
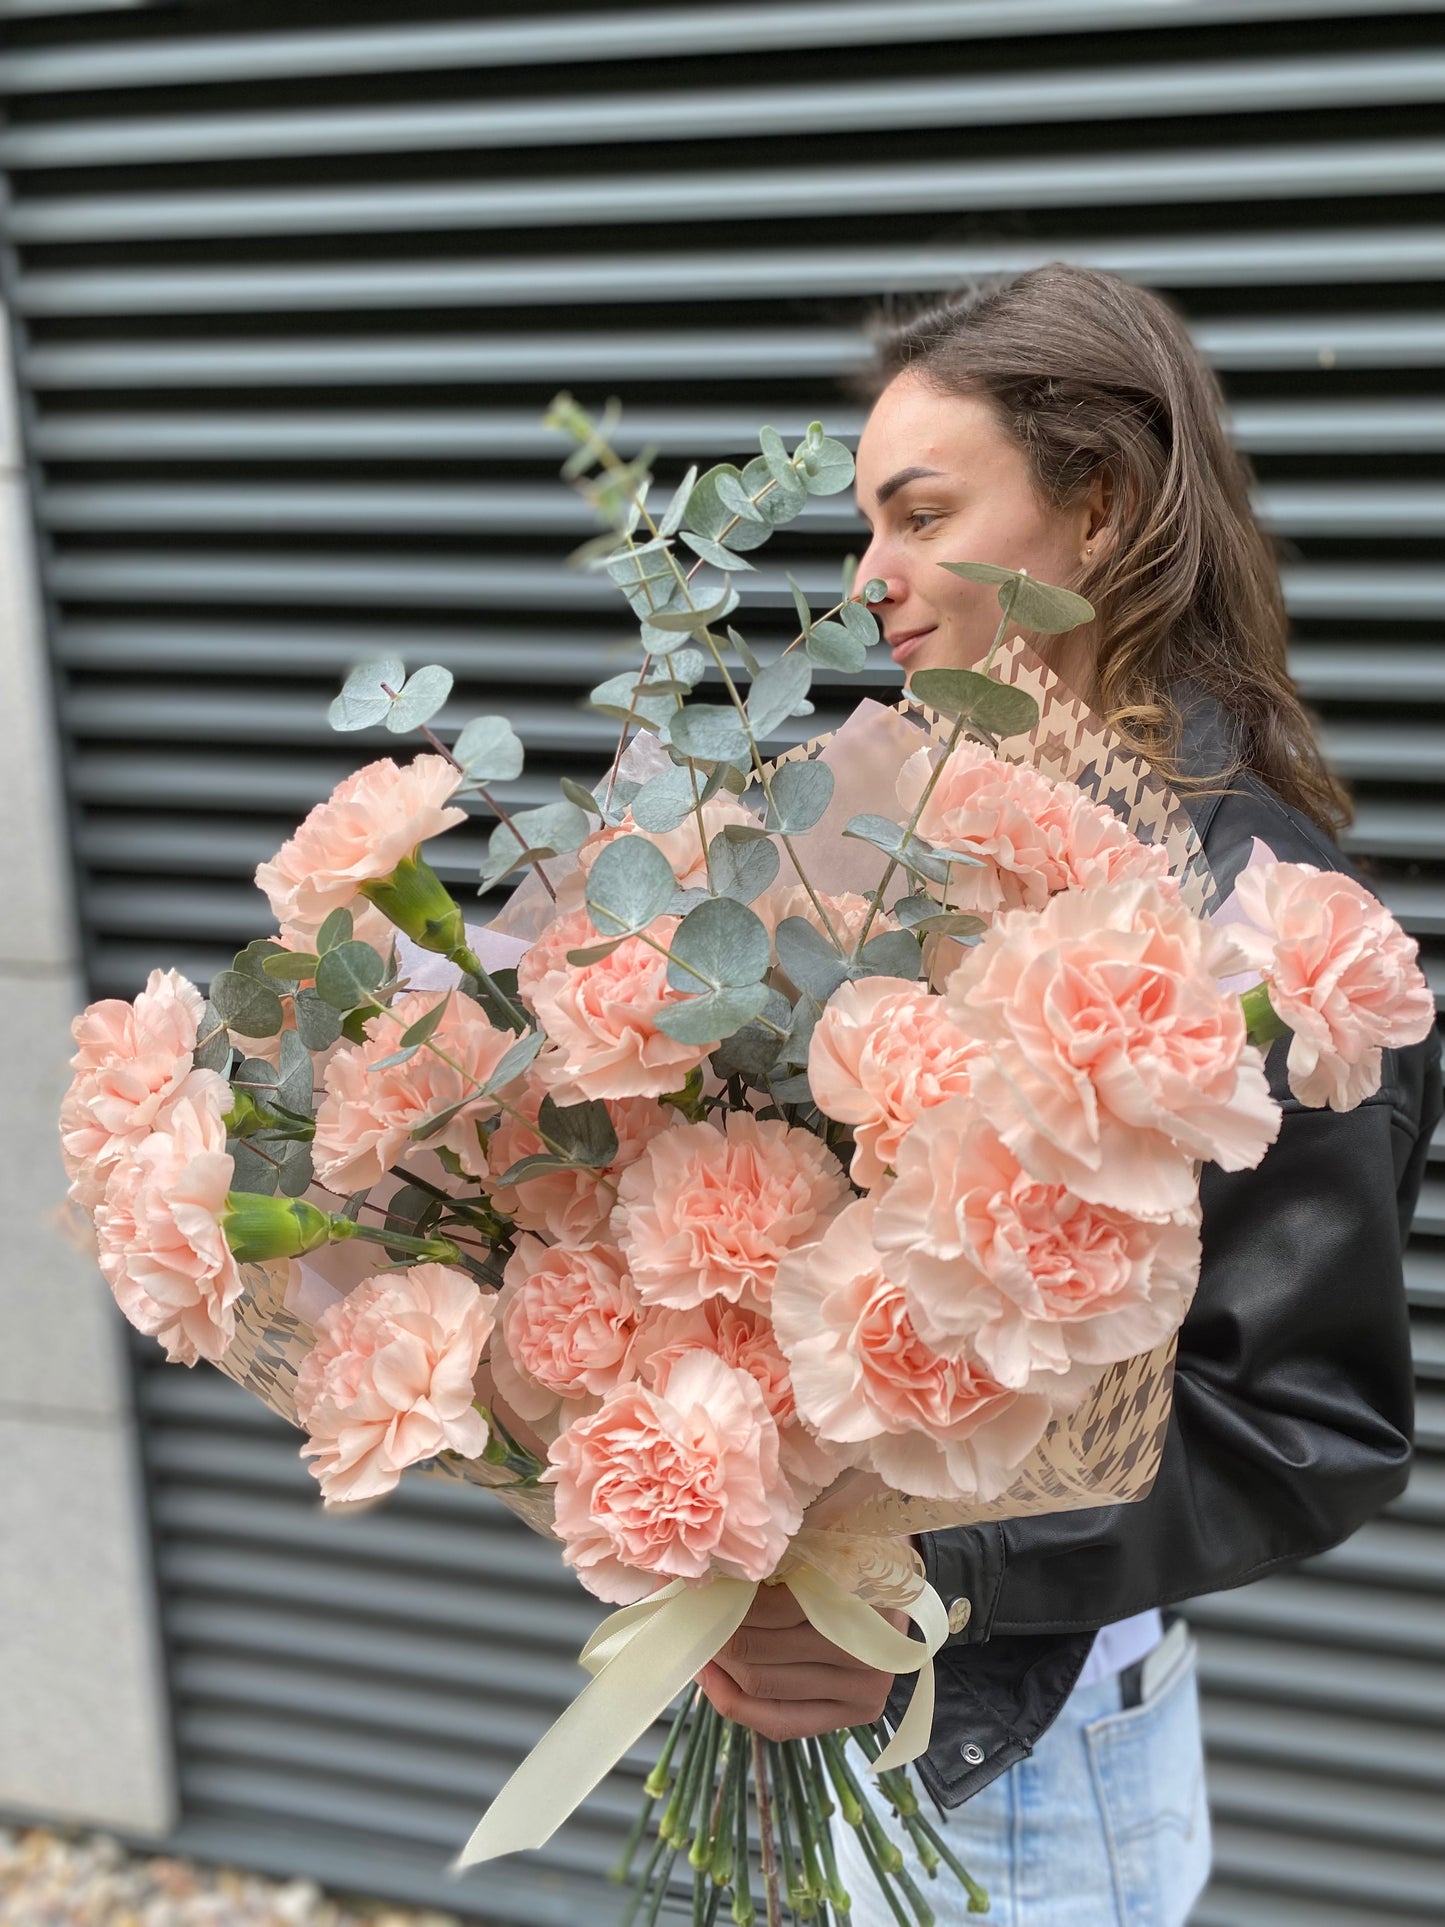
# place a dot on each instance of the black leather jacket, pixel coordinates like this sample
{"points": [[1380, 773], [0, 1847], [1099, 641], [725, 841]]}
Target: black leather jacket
{"points": [[1293, 1408]]}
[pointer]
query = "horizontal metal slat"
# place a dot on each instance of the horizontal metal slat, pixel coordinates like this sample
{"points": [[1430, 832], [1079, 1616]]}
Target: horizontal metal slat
{"points": [[1378, 1882], [618, 34], [896, 188], [1158, 90], [1348, 1809], [1388, 753], [1225, 1904], [1260, 1736], [1288, 1672], [1313, 1608], [1288, 257]]}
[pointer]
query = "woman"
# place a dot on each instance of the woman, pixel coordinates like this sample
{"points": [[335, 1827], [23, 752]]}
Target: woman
{"points": [[1063, 422]]}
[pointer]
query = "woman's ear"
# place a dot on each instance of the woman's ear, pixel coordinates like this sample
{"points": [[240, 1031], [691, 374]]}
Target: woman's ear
{"points": [[1101, 514]]}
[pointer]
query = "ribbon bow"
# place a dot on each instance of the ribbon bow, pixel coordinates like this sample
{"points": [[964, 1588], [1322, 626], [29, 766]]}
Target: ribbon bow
{"points": [[642, 1656]]}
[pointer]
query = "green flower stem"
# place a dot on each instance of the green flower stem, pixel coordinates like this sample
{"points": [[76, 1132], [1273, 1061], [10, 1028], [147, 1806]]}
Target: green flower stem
{"points": [[660, 1778], [639, 1892], [1011, 593], [882, 1878], [765, 1833], [977, 1896], [744, 1913], [888, 1850], [949, 747], [441, 1251], [1263, 1023], [717, 1790], [621, 1872], [679, 1808], [465, 958], [806, 1814], [659, 1892], [913, 1894], [699, 1854], [725, 1827], [793, 1886]]}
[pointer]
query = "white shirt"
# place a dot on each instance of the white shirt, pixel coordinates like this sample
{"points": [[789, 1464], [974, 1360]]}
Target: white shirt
{"points": [[1119, 1645]]}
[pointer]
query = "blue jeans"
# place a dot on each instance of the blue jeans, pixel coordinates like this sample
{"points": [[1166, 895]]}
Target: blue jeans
{"points": [[1105, 1824]]}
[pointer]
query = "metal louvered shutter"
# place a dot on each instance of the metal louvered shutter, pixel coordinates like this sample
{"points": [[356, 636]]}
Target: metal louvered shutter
{"points": [[293, 284]]}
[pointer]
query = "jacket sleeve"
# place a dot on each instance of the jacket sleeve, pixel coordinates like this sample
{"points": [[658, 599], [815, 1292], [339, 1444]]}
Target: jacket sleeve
{"points": [[1292, 1412]]}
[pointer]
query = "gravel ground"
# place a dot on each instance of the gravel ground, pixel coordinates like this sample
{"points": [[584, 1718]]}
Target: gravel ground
{"points": [[74, 1879]]}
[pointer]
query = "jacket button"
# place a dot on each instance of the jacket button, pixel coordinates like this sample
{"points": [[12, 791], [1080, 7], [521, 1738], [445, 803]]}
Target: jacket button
{"points": [[960, 1611], [972, 1753]]}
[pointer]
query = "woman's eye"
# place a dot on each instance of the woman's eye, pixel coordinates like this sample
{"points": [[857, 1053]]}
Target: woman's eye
{"points": [[921, 518]]}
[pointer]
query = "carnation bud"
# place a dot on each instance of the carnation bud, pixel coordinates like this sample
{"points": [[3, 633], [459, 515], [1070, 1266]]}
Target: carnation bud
{"points": [[419, 904], [257, 1227], [1262, 1021]]}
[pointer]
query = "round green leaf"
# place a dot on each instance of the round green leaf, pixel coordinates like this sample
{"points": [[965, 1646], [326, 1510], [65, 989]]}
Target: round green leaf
{"points": [[335, 929], [246, 1004], [742, 867], [780, 691], [801, 793], [721, 941], [709, 517], [714, 552], [420, 699], [830, 644], [785, 500], [994, 706], [667, 800], [347, 975], [711, 1018], [317, 1024], [827, 466], [630, 883], [735, 497], [363, 700], [1031, 604], [489, 750], [708, 730]]}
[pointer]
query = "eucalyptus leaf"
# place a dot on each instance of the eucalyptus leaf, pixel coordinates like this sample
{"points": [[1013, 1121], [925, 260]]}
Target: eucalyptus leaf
{"points": [[745, 654], [624, 698], [862, 626], [780, 465], [246, 1004], [257, 1077], [252, 961], [579, 794], [335, 930], [295, 1082], [965, 693], [671, 519], [950, 923], [802, 1021], [489, 750], [780, 691], [874, 589], [913, 910], [364, 700], [751, 1052], [831, 645], [433, 1126], [667, 800], [1030, 603], [250, 1170], [426, 1025], [291, 966], [686, 900], [714, 552], [742, 867], [810, 961], [894, 953], [514, 1061], [800, 603], [794, 1090], [346, 976], [647, 577], [737, 499], [707, 514], [536, 1164], [420, 698], [296, 1174], [913, 852], [552, 830], [714, 1016], [780, 498], [801, 793], [411, 1210], [711, 731], [317, 1024], [722, 942], [629, 885], [213, 1046], [826, 464], [591, 953], [688, 622], [584, 1131]]}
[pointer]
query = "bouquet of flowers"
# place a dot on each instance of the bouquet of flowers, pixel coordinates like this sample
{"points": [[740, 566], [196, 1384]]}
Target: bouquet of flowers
{"points": [[806, 1156]]}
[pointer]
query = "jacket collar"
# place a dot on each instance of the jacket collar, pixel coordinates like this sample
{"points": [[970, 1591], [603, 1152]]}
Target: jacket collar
{"points": [[1209, 744]]}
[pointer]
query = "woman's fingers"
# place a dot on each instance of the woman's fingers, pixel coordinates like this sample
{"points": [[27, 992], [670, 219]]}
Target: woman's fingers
{"points": [[782, 1646], [788, 1719]]}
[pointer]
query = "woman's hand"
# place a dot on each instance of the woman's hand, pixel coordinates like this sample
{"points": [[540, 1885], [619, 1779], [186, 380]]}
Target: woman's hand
{"points": [[779, 1676]]}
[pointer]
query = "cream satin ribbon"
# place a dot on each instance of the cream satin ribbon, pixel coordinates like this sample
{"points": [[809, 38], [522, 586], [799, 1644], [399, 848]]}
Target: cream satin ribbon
{"points": [[641, 1658]]}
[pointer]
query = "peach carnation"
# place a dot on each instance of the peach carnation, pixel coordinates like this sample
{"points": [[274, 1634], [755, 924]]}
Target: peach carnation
{"points": [[601, 1017], [1033, 836], [571, 1205], [1341, 972], [133, 1063], [1028, 1278], [881, 1054], [366, 1116], [933, 1426], [745, 1338], [1113, 1060], [709, 1212], [679, 1481], [569, 1318], [160, 1233], [358, 835], [683, 847], [388, 1381]]}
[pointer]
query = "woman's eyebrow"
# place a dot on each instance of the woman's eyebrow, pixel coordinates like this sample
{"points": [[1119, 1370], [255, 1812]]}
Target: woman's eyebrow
{"points": [[904, 475]]}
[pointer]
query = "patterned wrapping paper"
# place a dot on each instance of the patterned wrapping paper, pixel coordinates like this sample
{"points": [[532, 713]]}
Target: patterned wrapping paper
{"points": [[1105, 1452]]}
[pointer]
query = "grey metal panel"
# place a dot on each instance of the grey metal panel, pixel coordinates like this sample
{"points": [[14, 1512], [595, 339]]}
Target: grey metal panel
{"points": [[293, 300], [1146, 91]]}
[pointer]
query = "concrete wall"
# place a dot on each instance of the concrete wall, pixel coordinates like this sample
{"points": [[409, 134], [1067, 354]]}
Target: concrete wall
{"points": [[84, 1723]]}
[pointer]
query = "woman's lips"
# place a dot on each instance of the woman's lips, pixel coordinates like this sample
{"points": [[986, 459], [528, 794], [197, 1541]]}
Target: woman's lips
{"points": [[904, 647]]}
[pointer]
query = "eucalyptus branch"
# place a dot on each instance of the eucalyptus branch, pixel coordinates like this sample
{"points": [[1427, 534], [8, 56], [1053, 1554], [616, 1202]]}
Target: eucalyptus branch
{"points": [[960, 724]]}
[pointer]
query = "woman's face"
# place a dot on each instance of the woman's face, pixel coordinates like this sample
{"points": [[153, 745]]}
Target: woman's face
{"points": [[939, 481]]}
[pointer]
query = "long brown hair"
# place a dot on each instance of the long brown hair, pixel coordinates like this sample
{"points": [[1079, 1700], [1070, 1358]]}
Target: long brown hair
{"points": [[1088, 371]]}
